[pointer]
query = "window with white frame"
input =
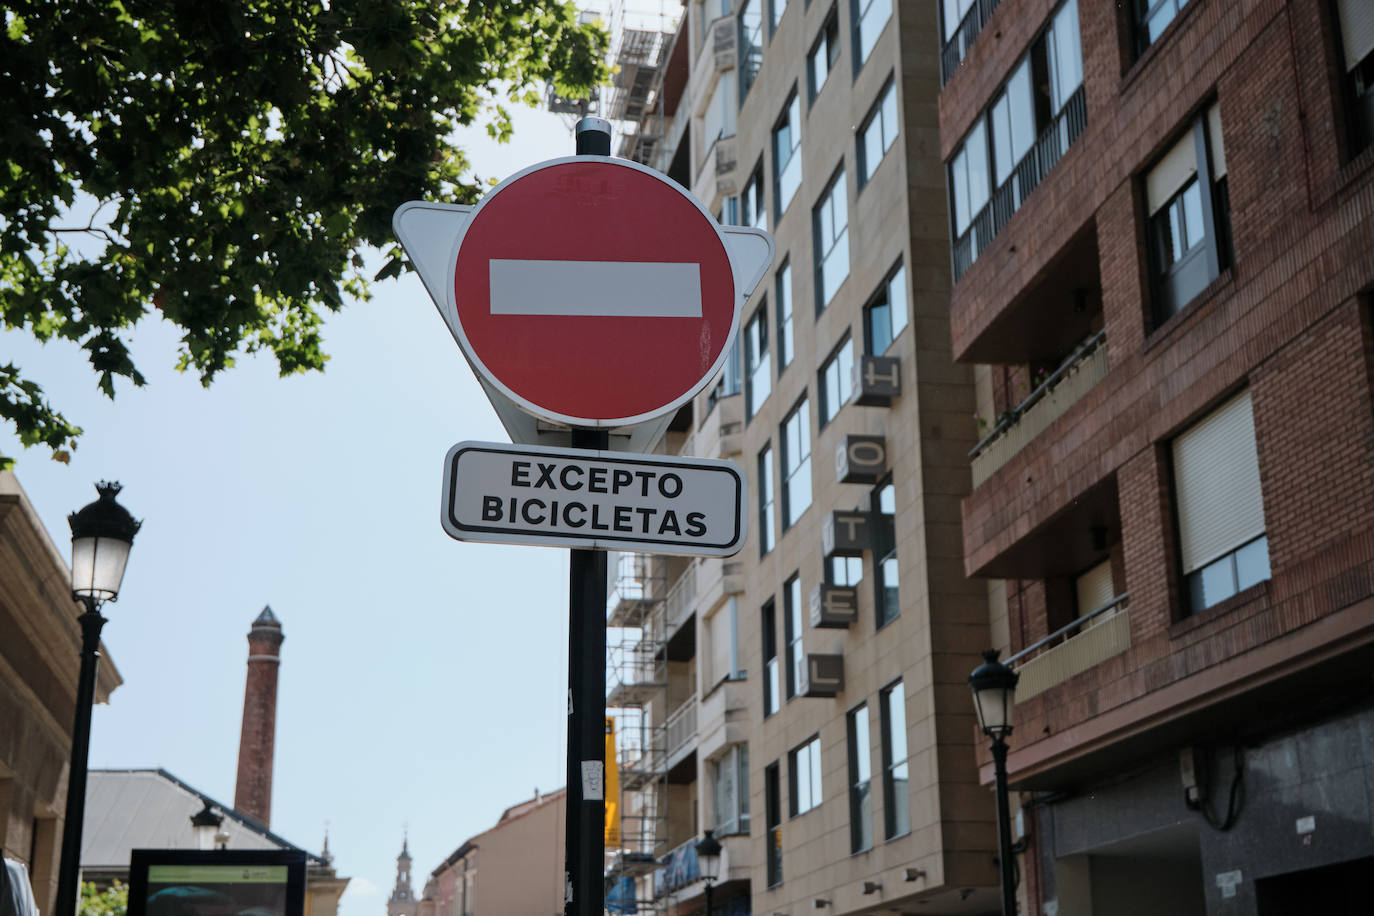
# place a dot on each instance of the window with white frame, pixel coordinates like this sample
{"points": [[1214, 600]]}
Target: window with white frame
{"points": [[1036, 116], [860, 780], [776, 9], [830, 228], [727, 214], [825, 53], [1223, 547], [836, 380], [787, 166], [723, 644], [783, 282], [792, 633], [796, 464], [767, 533], [896, 814], [878, 132], [885, 315], [844, 570], [1189, 208], [961, 21], [750, 43], [1152, 17], [722, 111], [869, 18], [730, 791], [758, 365], [804, 777], [753, 204], [772, 676], [1355, 25]]}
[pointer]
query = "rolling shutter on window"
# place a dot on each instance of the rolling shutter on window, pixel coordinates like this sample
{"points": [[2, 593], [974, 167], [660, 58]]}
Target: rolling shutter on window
{"points": [[1175, 170], [1095, 588], [718, 630], [1217, 484], [1357, 30], [1218, 149]]}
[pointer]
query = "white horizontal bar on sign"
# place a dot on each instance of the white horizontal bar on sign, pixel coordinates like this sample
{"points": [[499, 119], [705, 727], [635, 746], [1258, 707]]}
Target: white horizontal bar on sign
{"points": [[614, 289]]}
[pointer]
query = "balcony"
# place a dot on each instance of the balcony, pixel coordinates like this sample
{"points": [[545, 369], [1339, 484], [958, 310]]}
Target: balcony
{"points": [[1073, 649], [721, 431], [1008, 197], [681, 599], [956, 48], [682, 731], [1051, 399]]}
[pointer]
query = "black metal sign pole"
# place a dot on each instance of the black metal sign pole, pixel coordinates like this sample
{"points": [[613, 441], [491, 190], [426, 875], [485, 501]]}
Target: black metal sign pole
{"points": [[585, 831]]}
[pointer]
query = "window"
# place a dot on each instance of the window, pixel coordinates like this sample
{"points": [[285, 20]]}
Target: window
{"points": [[844, 570], [804, 777], [775, 10], [758, 367], [1190, 215], [787, 168], [722, 629], [772, 803], [750, 44], [730, 791], [860, 782], [753, 207], [887, 603], [711, 10], [722, 111], [824, 53], [796, 464], [885, 315], [1220, 510], [961, 21], [830, 226], [836, 380], [896, 817], [869, 18], [1355, 22], [783, 281], [878, 132], [792, 632], [1152, 17], [731, 378], [772, 694], [1094, 589], [767, 533], [1032, 121], [728, 214]]}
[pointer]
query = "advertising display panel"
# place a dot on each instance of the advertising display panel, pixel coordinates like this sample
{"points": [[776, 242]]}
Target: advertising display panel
{"points": [[217, 882]]}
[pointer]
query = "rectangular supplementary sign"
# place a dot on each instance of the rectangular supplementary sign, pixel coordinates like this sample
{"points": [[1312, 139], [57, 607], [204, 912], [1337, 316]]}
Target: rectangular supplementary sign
{"points": [[618, 289], [529, 494]]}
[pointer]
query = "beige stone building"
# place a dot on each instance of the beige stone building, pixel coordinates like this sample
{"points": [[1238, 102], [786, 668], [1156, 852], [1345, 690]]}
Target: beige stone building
{"points": [[806, 699], [40, 645]]}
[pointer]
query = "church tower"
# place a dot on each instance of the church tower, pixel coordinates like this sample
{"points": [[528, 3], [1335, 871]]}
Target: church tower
{"points": [[403, 902]]}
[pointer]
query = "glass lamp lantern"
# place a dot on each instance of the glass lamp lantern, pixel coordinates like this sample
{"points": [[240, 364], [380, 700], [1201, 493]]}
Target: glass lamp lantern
{"points": [[102, 534], [708, 856], [994, 695]]}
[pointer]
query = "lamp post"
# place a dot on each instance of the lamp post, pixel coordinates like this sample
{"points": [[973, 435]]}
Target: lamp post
{"points": [[708, 861], [994, 692], [102, 533], [206, 824]]}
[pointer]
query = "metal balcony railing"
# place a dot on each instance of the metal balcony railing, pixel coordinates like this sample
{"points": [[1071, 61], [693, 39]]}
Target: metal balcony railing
{"points": [[1020, 425], [682, 725], [1073, 649], [681, 598], [957, 47]]}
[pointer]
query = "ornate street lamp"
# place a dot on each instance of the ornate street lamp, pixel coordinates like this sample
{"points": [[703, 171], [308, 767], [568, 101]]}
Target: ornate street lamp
{"points": [[102, 534], [708, 863], [994, 693], [206, 824]]}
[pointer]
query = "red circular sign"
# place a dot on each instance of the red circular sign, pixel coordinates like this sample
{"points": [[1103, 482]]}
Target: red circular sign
{"points": [[593, 292]]}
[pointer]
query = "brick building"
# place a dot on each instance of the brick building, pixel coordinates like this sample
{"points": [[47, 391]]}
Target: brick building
{"points": [[1162, 217]]}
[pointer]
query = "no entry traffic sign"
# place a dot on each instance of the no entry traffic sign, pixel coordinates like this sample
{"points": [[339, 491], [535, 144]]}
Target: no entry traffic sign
{"points": [[590, 291], [510, 494]]}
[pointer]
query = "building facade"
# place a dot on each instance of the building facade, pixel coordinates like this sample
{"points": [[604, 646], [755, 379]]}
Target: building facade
{"points": [[805, 700], [1162, 217], [40, 648]]}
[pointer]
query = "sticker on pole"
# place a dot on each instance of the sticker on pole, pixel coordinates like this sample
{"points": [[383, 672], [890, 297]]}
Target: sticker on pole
{"points": [[526, 494], [590, 291]]}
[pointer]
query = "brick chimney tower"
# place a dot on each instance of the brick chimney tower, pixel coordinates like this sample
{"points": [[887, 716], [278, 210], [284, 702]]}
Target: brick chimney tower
{"points": [[253, 789]]}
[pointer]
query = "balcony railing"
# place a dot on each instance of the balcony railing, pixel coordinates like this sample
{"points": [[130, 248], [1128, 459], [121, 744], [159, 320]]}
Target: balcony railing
{"points": [[681, 598], [1073, 649], [1038, 162], [682, 726], [1016, 428], [957, 48], [680, 868]]}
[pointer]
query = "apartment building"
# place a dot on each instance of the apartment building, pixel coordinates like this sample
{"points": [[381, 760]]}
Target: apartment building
{"points": [[805, 700], [1162, 215]]}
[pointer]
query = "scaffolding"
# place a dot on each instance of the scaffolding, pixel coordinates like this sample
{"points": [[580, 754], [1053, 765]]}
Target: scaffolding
{"points": [[636, 696]]}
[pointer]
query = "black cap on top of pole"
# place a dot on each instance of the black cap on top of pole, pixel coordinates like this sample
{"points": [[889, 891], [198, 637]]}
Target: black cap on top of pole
{"points": [[593, 137]]}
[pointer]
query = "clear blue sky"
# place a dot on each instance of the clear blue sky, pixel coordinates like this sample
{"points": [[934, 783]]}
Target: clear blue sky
{"points": [[422, 680]]}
